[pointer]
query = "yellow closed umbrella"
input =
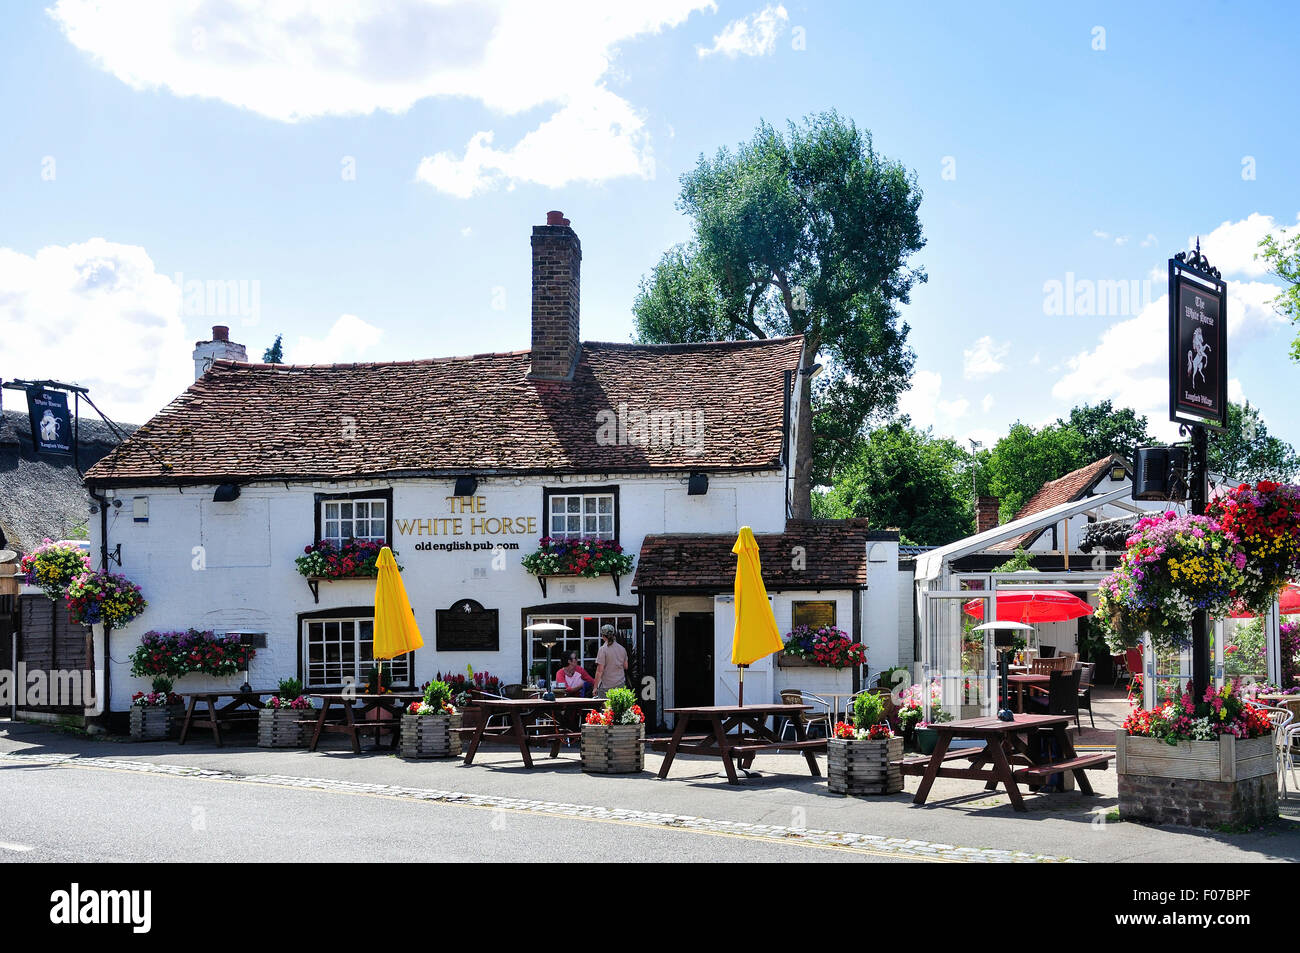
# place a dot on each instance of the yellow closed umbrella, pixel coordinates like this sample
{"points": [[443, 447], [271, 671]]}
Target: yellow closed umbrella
{"points": [[395, 630], [756, 634]]}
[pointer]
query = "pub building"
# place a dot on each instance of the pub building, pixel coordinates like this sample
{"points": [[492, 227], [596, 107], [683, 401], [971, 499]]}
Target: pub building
{"points": [[462, 465]]}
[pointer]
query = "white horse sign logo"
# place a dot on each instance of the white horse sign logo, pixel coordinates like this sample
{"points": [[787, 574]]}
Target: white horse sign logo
{"points": [[51, 421]]}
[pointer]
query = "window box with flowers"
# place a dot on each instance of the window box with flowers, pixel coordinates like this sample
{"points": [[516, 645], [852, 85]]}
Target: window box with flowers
{"points": [[288, 718], [1198, 764], [587, 557], [174, 654], [860, 756], [613, 738], [157, 714], [431, 727], [823, 646], [327, 561]]}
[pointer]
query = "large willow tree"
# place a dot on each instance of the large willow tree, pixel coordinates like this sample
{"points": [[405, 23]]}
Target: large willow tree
{"points": [[807, 232]]}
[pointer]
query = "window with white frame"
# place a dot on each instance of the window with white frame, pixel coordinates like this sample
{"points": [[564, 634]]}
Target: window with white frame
{"points": [[583, 638], [342, 520], [572, 515], [341, 650]]}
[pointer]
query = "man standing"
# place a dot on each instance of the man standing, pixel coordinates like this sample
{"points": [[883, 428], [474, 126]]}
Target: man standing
{"points": [[611, 662]]}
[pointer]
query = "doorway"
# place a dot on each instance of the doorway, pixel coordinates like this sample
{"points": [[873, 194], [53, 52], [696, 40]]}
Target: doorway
{"points": [[693, 659]]}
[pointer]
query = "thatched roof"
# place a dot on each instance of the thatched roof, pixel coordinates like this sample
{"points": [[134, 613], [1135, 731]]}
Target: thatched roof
{"points": [[43, 496]]}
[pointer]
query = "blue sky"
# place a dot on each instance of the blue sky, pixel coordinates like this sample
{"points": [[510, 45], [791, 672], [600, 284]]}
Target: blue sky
{"points": [[372, 181]]}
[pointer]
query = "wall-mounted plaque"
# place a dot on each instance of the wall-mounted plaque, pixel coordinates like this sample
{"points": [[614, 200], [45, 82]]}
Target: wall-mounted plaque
{"points": [[468, 627]]}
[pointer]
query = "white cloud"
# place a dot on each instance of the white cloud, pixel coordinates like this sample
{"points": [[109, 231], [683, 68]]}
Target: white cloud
{"points": [[984, 358], [987, 403], [1232, 246], [99, 315], [925, 405], [599, 138], [292, 61], [1148, 241], [1098, 233], [754, 35], [347, 340], [1121, 240]]}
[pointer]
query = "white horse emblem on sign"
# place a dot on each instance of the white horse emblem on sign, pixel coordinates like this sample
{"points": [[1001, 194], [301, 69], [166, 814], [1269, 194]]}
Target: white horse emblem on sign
{"points": [[1198, 357], [49, 428]]}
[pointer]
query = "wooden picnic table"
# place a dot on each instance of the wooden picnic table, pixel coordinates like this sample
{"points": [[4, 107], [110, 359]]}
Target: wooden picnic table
{"points": [[742, 748], [390, 702], [241, 709], [1022, 682], [563, 714], [1013, 751]]}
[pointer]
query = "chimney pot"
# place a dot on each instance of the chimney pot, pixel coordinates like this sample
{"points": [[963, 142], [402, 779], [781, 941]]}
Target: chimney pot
{"points": [[220, 332], [556, 218]]}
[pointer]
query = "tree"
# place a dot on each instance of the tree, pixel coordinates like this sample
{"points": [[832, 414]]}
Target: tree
{"points": [[275, 353], [904, 477], [1105, 430], [1246, 451], [807, 232], [1022, 461], [1282, 252]]}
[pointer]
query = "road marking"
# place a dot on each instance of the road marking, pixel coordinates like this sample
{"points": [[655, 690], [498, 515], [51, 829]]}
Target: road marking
{"points": [[16, 848], [898, 848]]}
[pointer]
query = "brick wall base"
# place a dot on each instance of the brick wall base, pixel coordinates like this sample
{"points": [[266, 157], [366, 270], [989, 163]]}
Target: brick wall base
{"points": [[1187, 803]]}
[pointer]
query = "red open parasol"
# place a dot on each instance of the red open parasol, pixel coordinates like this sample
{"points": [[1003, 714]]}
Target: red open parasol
{"points": [[1289, 603], [1041, 605]]}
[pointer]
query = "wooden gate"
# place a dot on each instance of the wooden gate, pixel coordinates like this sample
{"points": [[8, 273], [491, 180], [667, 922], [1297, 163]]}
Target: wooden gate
{"points": [[48, 642]]}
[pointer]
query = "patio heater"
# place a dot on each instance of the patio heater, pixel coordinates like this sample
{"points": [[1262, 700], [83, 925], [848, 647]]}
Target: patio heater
{"points": [[548, 630], [1002, 643]]}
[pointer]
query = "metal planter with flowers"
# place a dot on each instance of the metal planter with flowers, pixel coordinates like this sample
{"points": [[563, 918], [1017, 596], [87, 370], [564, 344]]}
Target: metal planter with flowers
{"points": [[104, 598], [822, 646], [860, 757], [613, 739], [587, 557], [431, 727]]}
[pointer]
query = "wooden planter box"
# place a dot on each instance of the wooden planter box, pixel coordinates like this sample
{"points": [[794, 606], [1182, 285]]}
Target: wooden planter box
{"points": [[794, 661], [613, 749], [430, 736], [1225, 783], [153, 723], [863, 767], [284, 728]]}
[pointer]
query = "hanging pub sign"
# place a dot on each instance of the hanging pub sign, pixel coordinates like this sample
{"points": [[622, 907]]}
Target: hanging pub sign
{"points": [[468, 627], [1198, 342], [51, 421]]}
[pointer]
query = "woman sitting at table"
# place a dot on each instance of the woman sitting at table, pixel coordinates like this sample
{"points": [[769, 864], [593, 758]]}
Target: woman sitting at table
{"points": [[574, 677]]}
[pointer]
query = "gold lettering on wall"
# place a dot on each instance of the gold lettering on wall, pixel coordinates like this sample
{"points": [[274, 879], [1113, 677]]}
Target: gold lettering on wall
{"points": [[481, 525]]}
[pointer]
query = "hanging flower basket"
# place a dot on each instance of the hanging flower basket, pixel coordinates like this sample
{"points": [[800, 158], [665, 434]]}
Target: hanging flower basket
{"points": [[1265, 519], [96, 598], [52, 566], [1174, 567]]}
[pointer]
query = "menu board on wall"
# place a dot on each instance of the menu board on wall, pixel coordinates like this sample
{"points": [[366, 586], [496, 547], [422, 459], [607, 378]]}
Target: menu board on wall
{"points": [[468, 627]]}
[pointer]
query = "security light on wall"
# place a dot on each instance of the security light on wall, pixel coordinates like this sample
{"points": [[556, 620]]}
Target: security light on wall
{"points": [[698, 484], [466, 486], [226, 493]]}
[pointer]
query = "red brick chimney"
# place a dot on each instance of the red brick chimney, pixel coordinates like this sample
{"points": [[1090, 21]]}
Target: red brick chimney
{"points": [[986, 513], [557, 264]]}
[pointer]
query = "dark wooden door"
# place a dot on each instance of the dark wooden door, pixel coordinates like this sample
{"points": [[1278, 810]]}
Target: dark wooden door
{"points": [[693, 654]]}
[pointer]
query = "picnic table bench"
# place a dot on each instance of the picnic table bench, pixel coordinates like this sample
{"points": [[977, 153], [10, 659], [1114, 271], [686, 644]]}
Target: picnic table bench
{"points": [[561, 714], [1013, 751], [390, 703], [242, 709], [738, 749]]}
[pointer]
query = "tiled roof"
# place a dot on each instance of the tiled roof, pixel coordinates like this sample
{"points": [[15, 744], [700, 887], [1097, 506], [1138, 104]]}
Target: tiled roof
{"points": [[834, 553], [1073, 486], [481, 413]]}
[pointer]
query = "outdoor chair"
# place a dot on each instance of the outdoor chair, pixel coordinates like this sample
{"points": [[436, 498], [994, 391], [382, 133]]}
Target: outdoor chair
{"points": [[1086, 672], [1280, 719], [793, 696], [1118, 667], [1061, 696], [1045, 666], [1289, 746], [1046, 651], [1133, 662]]}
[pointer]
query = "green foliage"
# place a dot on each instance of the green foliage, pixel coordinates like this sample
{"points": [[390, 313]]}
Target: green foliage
{"points": [[619, 701], [162, 685], [1104, 430], [1282, 252], [437, 693], [902, 477], [803, 232], [1245, 451], [868, 710], [289, 688], [1022, 461], [275, 353], [1021, 561]]}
